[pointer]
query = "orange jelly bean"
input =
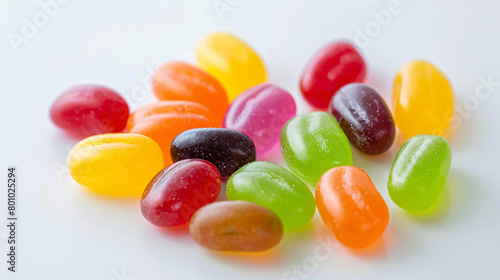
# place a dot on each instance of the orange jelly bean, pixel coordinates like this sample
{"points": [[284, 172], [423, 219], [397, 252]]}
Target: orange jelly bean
{"points": [[351, 206], [164, 120], [179, 80]]}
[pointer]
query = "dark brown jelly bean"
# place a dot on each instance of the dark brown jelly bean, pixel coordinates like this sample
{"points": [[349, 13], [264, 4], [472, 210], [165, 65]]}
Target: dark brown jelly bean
{"points": [[227, 149], [364, 117]]}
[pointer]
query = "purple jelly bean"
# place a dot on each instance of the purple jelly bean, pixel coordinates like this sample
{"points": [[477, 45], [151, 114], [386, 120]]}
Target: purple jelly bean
{"points": [[260, 112], [365, 118]]}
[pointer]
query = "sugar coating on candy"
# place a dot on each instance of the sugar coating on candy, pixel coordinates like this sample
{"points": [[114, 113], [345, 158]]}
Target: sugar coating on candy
{"points": [[364, 117], [87, 110], [236, 226], [176, 192], [314, 143], [419, 172], [422, 99], [260, 112], [179, 80], [351, 206], [115, 164], [227, 149], [334, 66], [164, 120], [273, 187], [231, 61]]}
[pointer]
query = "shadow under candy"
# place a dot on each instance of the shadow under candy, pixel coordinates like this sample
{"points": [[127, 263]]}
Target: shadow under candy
{"points": [[175, 231], [268, 258], [456, 204]]}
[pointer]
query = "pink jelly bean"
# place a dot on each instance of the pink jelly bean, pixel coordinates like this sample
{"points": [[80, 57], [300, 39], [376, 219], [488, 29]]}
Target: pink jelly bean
{"points": [[260, 112]]}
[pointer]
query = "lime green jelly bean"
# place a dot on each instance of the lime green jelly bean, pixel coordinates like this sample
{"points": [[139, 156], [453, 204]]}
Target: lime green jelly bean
{"points": [[275, 188], [419, 172], [313, 144]]}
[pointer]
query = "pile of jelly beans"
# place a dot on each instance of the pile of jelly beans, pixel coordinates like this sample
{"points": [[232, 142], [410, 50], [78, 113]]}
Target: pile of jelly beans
{"points": [[213, 121]]}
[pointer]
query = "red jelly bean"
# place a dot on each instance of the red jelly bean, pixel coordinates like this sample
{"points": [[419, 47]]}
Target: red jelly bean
{"points": [[331, 68], [176, 192], [88, 110]]}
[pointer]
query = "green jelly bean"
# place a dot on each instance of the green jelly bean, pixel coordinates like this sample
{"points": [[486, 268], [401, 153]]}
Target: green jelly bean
{"points": [[313, 144], [275, 188], [419, 172]]}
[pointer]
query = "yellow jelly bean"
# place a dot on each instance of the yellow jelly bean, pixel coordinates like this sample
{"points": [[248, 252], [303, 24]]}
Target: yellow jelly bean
{"points": [[422, 99], [235, 64], [115, 164]]}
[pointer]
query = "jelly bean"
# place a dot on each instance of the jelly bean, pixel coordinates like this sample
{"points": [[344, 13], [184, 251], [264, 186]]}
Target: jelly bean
{"points": [[115, 164], [331, 68], [88, 110], [227, 149], [176, 192], [422, 99], [235, 64], [351, 206], [164, 120], [364, 117], [236, 226], [260, 112], [182, 81], [273, 187], [419, 172], [314, 143]]}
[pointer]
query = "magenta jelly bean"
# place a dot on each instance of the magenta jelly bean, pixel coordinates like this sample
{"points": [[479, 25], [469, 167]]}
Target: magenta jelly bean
{"points": [[260, 112], [176, 192], [87, 110]]}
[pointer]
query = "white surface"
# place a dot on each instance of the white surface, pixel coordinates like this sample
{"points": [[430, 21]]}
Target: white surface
{"points": [[66, 233]]}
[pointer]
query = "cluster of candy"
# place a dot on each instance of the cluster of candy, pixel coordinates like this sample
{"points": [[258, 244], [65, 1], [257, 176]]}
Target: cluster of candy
{"points": [[212, 121]]}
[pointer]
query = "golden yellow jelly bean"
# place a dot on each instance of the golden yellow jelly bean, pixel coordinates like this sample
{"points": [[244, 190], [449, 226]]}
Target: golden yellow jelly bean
{"points": [[422, 99], [115, 164], [235, 64]]}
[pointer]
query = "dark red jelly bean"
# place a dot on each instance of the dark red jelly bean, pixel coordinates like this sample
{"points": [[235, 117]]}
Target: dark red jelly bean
{"points": [[88, 110], [331, 68], [176, 192], [225, 148], [365, 118]]}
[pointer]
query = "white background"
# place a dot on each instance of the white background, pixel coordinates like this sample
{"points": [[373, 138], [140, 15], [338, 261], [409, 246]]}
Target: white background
{"points": [[68, 233]]}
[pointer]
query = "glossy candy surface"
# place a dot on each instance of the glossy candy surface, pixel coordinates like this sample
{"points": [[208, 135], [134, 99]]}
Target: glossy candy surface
{"points": [[351, 206], [176, 192], [422, 99], [227, 149], [231, 61], [419, 172], [275, 188], [364, 117], [87, 110], [178, 80], [164, 120], [332, 67], [260, 112], [115, 164], [236, 226], [314, 143]]}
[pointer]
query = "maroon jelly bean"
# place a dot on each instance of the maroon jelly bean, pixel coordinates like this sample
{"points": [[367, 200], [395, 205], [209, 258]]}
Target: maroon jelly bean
{"points": [[365, 118], [88, 110], [176, 192]]}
